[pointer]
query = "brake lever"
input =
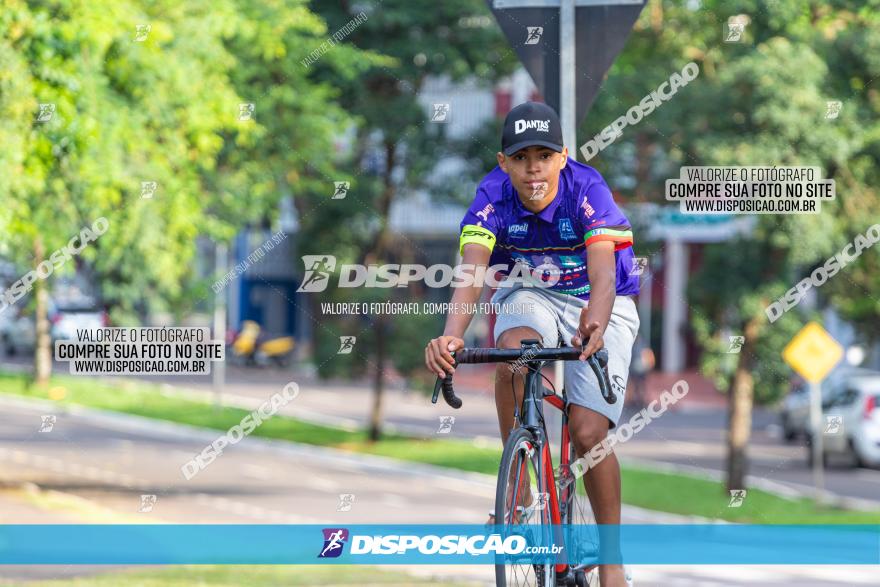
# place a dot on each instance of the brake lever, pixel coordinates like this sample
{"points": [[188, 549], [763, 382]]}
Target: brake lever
{"points": [[445, 384], [436, 390], [599, 363]]}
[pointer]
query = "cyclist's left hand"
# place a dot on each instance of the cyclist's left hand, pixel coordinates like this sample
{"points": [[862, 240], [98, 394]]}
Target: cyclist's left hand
{"points": [[589, 336]]}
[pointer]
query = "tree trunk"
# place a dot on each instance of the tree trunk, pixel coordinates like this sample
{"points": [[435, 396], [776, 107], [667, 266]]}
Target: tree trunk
{"points": [[375, 432], [383, 207], [657, 16], [645, 147], [42, 350], [375, 255], [740, 400]]}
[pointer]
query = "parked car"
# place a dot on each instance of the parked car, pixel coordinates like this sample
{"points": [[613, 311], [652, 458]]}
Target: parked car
{"points": [[17, 334], [794, 417], [66, 320], [851, 419]]}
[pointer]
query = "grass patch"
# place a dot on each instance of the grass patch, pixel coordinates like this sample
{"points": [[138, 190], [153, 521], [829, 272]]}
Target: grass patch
{"points": [[661, 491], [686, 495], [250, 575]]}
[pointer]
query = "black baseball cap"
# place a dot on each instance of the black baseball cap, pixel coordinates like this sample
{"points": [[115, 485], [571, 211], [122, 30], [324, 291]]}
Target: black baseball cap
{"points": [[531, 124]]}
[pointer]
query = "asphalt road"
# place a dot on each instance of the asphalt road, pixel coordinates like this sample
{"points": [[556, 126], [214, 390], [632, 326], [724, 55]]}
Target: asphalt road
{"points": [[107, 463], [690, 439], [111, 463]]}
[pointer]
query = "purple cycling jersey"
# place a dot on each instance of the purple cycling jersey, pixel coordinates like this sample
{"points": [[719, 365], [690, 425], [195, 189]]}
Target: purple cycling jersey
{"points": [[583, 212]]}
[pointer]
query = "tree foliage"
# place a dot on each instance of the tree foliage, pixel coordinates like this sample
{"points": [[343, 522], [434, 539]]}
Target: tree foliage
{"points": [[762, 101]]}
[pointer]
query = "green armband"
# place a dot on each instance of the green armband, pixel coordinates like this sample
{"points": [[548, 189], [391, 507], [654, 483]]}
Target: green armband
{"points": [[472, 233]]}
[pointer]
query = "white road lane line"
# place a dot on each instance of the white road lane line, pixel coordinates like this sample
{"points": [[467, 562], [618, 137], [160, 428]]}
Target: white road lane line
{"points": [[258, 472], [396, 501]]}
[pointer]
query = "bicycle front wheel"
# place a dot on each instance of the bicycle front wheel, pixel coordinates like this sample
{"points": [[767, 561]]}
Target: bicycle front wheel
{"points": [[582, 535], [521, 502]]}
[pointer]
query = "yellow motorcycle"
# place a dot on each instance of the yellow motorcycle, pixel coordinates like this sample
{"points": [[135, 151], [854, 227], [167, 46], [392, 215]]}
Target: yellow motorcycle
{"points": [[250, 349]]}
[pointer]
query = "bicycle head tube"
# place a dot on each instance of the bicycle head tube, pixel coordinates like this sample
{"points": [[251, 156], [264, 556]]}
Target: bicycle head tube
{"points": [[532, 390]]}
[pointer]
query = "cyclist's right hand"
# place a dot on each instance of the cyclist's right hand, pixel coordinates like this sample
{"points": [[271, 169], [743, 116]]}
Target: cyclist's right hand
{"points": [[438, 354]]}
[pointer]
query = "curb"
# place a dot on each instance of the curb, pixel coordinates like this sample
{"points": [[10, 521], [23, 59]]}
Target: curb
{"points": [[378, 464], [790, 491], [360, 462]]}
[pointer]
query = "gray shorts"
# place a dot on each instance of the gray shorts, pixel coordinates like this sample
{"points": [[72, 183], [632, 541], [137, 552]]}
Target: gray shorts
{"points": [[553, 315]]}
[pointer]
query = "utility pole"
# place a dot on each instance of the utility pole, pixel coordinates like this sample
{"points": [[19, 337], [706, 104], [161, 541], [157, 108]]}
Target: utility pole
{"points": [[219, 367]]}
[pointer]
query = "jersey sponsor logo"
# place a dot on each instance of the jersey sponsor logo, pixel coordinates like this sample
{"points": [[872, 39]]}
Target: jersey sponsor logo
{"points": [[521, 126], [566, 231], [618, 385], [518, 230], [570, 261], [576, 291], [469, 232], [588, 210], [484, 213]]}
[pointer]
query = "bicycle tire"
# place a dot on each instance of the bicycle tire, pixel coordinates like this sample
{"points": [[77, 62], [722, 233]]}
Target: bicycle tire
{"points": [[577, 515], [515, 455]]}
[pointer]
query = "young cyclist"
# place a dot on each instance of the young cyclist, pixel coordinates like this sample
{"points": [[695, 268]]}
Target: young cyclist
{"points": [[538, 207]]}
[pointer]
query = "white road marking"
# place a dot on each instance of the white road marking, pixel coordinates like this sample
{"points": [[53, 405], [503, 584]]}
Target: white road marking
{"points": [[245, 509], [258, 472], [321, 483], [92, 473], [395, 501]]}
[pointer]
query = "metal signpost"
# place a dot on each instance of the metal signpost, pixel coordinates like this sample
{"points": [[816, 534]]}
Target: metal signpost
{"points": [[813, 353], [556, 39], [567, 46], [219, 374]]}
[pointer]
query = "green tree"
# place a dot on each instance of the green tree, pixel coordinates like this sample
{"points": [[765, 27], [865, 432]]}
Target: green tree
{"points": [[759, 102], [163, 108], [395, 143]]}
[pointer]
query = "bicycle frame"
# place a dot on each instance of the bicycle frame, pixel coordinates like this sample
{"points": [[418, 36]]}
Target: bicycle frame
{"points": [[530, 416], [531, 409]]}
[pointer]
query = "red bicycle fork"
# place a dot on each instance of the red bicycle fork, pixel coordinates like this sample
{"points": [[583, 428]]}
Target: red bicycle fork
{"points": [[550, 474]]}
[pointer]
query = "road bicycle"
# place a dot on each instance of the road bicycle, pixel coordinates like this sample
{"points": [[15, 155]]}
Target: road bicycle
{"points": [[549, 503]]}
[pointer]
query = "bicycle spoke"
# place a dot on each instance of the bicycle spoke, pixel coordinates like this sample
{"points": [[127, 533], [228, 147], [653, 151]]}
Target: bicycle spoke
{"points": [[583, 538], [521, 512], [521, 472]]}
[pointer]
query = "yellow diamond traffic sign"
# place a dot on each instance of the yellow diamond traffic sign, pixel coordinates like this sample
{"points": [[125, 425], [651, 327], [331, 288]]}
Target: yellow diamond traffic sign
{"points": [[812, 352]]}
